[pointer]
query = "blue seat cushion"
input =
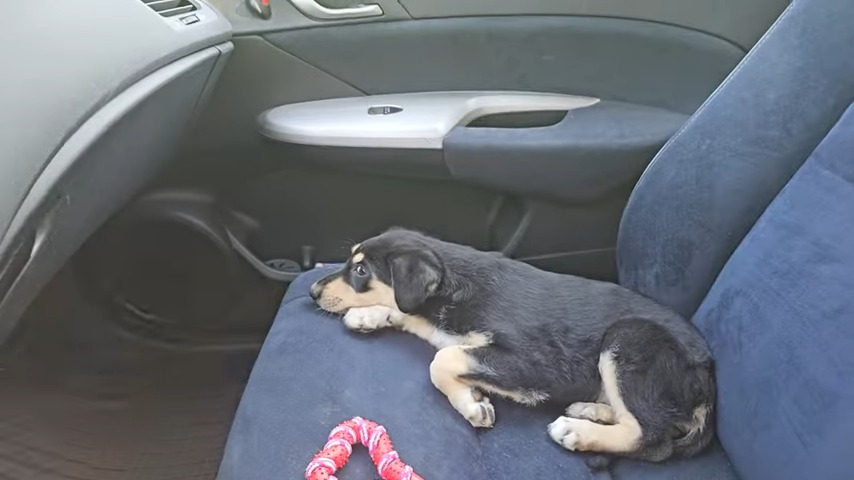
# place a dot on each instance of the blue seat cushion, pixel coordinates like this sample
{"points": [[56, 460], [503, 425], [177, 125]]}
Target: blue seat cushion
{"points": [[780, 320], [312, 374]]}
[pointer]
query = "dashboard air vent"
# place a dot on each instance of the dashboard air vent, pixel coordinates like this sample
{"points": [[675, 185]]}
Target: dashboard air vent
{"points": [[170, 8]]}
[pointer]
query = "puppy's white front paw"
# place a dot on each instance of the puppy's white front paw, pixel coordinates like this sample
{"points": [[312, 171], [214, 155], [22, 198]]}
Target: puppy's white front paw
{"points": [[368, 319]]}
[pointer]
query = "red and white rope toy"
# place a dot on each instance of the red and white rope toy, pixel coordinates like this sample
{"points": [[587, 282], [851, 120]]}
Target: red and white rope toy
{"points": [[338, 448]]}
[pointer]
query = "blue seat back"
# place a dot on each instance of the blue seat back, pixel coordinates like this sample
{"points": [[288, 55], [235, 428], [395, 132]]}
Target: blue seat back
{"points": [[709, 184], [780, 321], [745, 222]]}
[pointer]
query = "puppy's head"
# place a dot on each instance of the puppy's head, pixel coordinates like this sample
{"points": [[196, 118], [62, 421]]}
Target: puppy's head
{"points": [[397, 269]]}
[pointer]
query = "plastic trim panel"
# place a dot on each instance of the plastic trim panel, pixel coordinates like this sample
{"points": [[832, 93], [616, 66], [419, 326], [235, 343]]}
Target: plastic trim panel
{"points": [[101, 165], [412, 120]]}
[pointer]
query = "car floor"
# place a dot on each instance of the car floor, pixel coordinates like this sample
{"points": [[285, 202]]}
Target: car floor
{"points": [[81, 399]]}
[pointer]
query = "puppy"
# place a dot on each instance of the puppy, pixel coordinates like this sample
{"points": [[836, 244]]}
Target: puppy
{"points": [[637, 377]]}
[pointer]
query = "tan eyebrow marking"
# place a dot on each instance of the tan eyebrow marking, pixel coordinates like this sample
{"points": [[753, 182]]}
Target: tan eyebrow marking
{"points": [[358, 257], [355, 247]]}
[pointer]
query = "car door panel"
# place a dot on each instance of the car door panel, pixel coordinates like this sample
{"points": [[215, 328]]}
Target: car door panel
{"points": [[616, 59], [741, 22], [286, 16], [496, 188], [258, 76]]}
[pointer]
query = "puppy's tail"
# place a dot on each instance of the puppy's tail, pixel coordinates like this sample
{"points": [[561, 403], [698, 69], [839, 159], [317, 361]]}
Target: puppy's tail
{"points": [[698, 432]]}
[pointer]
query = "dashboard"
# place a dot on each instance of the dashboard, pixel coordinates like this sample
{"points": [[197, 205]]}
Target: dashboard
{"points": [[95, 97]]}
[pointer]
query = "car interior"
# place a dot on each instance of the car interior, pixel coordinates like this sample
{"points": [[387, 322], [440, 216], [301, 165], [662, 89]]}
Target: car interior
{"points": [[175, 174]]}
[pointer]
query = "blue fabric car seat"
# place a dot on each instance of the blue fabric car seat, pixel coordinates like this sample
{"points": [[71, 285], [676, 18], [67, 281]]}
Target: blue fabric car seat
{"points": [[744, 222]]}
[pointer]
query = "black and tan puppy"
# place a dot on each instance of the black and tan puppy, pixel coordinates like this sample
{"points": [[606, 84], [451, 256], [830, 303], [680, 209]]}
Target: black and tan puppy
{"points": [[637, 377]]}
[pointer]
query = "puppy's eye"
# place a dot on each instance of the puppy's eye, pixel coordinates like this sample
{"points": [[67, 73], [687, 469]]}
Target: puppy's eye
{"points": [[360, 270]]}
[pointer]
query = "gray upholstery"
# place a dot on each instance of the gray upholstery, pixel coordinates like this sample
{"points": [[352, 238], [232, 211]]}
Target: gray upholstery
{"points": [[710, 183], [635, 61]]}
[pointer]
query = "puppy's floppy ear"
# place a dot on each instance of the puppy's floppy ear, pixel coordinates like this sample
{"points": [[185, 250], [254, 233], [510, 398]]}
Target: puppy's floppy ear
{"points": [[415, 277]]}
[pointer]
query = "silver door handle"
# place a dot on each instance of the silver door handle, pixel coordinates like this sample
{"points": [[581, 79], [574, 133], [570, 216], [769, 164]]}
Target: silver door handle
{"points": [[317, 11]]}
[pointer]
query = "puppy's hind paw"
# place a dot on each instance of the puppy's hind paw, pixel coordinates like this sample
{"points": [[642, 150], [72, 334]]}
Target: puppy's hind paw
{"points": [[595, 412], [569, 433], [480, 414]]}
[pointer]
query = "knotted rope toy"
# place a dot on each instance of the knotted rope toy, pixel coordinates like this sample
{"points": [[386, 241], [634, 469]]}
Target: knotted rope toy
{"points": [[339, 446]]}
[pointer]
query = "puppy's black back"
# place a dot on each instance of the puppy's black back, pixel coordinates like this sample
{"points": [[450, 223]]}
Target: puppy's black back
{"points": [[516, 301]]}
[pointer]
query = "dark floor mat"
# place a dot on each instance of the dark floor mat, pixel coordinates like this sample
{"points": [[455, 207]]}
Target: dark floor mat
{"points": [[81, 400]]}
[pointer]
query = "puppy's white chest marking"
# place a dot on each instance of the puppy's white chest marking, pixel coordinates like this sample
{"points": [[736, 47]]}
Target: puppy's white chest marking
{"points": [[422, 328], [442, 339]]}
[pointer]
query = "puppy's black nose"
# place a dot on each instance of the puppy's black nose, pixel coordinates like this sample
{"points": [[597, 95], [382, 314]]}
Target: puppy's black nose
{"points": [[314, 291]]}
